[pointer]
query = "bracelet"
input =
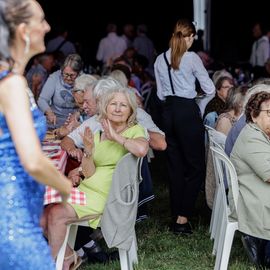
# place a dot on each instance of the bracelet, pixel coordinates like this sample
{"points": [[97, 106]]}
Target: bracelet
{"points": [[125, 141], [87, 154]]}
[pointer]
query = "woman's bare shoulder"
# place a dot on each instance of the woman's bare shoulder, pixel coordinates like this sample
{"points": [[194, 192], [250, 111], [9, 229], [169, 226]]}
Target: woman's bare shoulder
{"points": [[12, 88], [12, 82]]}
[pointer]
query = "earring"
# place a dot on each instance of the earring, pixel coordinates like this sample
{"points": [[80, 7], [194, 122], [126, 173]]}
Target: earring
{"points": [[27, 44]]}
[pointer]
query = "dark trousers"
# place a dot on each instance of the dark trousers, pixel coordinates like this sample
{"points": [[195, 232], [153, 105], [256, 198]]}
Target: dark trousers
{"points": [[185, 151]]}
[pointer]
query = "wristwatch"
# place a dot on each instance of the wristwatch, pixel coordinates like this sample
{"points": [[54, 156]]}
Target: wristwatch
{"points": [[80, 171], [87, 154]]}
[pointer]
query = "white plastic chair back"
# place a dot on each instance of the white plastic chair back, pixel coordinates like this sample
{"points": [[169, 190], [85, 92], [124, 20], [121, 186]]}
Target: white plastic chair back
{"points": [[226, 168], [226, 228], [146, 91], [217, 138]]}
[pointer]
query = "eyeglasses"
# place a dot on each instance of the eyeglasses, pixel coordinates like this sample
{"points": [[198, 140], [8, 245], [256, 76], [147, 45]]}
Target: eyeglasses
{"points": [[77, 90], [267, 112], [71, 76], [226, 87]]}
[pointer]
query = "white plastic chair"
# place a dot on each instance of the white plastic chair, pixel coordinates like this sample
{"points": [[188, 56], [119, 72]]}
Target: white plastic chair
{"points": [[227, 227], [146, 91], [213, 137], [127, 257]]}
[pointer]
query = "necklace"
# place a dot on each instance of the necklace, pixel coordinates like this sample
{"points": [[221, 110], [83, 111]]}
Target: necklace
{"points": [[122, 130]]}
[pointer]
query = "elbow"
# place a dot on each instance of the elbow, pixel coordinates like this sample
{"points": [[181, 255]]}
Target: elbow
{"points": [[142, 151], [159, 146], [158, 142]]}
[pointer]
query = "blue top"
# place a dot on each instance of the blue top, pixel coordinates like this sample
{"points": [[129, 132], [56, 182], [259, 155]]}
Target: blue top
{"points": [[22, 245], [234, 133], [57, 96]]}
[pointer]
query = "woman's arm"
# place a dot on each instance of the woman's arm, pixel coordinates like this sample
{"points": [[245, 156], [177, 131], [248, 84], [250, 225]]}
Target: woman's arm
{"points": [[45, 97], [157, 141], [15, 106], [137, 146], [223, 125], [46, 94], [88, 165]]}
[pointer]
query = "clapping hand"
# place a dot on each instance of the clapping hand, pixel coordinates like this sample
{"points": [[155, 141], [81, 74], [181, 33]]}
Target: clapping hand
{"points": [[108, 130], [75, 177], [88, 139]]}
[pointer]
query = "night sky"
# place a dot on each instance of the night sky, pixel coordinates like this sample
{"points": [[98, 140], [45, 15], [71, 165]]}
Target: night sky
{"points": [[230, 29]]}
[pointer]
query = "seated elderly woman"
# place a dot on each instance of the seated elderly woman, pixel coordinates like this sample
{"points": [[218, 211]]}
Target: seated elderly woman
{"points": [[120, 134], [250, 156], [234, 105], [218, 104], [56, 100]]}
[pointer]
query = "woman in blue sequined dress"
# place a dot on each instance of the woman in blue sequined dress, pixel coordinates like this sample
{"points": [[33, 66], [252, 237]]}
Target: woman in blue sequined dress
{"points": [[24, 170]]}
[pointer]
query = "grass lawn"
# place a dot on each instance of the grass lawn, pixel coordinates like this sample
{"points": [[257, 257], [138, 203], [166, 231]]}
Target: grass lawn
{"points": [[159, 249]]}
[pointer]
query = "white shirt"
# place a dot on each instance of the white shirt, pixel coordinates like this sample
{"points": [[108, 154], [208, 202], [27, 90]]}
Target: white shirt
{"points": [[183, 79], [260, 52], [110, 47]]}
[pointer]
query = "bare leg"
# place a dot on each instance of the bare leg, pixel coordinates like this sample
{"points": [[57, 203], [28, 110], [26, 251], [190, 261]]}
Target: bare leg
{"points": [[58, 216], [69, 258], [44, 219]]}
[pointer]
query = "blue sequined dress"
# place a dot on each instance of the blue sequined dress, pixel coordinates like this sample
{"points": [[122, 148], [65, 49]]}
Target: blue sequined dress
{"points": [[22, 246]]}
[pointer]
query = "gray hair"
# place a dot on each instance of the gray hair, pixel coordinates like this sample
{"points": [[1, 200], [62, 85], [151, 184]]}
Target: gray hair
{"points": [[90, 87], [109, 95], [74, 61], [234, 100], [262, 87], [120, 77], [82, 81], [105, 84], [221, 73]]}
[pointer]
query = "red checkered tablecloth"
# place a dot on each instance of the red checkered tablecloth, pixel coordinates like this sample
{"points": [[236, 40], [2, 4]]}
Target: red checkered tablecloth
{"points": [[59, 158], [53, 196]]}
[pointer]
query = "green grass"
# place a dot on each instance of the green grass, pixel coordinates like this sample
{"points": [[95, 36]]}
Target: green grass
{"points": [[159, 249]]}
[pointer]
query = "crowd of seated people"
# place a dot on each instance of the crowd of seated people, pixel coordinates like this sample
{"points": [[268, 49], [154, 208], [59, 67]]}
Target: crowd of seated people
{"points": [[81, 88], [76, 109]]}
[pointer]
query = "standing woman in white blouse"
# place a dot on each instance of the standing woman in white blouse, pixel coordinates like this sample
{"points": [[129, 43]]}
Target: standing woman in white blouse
{"points": [[176, 71]]}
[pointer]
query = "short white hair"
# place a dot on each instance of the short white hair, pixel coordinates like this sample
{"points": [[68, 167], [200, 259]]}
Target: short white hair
{"points": [[120, 77], [82, 81], [221, 73], [105, 84]]}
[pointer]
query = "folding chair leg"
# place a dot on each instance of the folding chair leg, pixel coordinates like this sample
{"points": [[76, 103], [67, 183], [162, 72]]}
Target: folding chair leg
{"points": [[72, 235], [132, 253], [62, 251], [215, 216], [124, 260], [220, 223], [227, 245]]}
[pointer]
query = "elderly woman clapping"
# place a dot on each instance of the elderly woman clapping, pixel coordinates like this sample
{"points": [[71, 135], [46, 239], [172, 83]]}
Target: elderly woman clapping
{"points": [[120, 134]]}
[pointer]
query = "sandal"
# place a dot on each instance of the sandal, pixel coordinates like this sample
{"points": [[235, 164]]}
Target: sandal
{"points": [[77, 260]]}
